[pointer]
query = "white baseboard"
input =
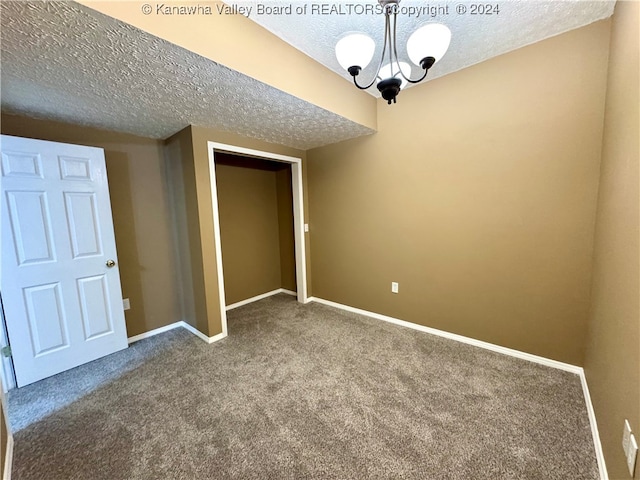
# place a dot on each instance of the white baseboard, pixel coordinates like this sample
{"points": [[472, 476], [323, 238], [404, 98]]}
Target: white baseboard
{"points": [[217, 337], [153, 332], [8, 459], [602, 466], [259, 297], [499, 349], [201, 335], [180, 324], [458, 338]]}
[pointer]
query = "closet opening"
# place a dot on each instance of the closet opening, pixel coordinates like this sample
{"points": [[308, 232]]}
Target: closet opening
{"points": [[259, 225]]}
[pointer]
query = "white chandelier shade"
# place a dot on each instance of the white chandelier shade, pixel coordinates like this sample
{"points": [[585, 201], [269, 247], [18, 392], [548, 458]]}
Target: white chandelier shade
{"points": [[387, 72], [355, 49], [425, 47], [431, 40]]}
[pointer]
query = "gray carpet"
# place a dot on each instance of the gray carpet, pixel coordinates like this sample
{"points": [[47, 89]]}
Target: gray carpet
{"points": [[303, 391]]}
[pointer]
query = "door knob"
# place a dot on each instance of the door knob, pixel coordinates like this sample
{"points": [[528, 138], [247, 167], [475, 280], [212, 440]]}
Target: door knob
{"points": [[111, 263]]}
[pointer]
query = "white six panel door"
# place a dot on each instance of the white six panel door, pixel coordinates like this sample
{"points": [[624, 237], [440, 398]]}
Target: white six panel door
{"points": [[62, 302]]}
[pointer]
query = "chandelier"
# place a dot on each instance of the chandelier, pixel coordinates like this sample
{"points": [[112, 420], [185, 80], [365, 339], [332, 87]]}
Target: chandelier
{"points": [[425, 47]]}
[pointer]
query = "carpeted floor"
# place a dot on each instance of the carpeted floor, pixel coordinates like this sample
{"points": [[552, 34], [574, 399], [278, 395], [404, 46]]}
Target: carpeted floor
{"points": [[303, 391]]}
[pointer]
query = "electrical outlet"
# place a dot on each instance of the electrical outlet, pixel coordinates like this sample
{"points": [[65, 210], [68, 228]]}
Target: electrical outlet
{"points": [[626, 435], [632, 454], [394, 287], [306, 227], [125, 304]]}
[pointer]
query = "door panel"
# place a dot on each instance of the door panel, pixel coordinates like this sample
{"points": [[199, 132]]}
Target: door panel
{"points": [[46, 318], [84, 229], [31, 227], [63, 304], [94, 300], [75, 168], [16, 164]]}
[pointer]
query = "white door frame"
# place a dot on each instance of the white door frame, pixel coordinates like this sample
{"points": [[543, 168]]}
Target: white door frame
{"points": [[298, 217]]}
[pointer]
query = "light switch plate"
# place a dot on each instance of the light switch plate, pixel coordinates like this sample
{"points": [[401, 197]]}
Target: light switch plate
{"points": [[632, 454], [394, 287], [125, 304]]}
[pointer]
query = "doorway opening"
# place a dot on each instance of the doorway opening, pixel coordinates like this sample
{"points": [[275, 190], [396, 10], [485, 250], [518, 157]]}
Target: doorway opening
{"points": [[298, 217]]}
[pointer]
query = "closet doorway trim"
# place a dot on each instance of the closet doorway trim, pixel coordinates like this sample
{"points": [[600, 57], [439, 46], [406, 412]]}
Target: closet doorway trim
{"points": [[298, 217]]}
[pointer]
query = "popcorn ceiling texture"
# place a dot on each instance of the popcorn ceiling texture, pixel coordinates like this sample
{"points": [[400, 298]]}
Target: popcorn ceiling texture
{"points": [[474, 37], [65, 62]]}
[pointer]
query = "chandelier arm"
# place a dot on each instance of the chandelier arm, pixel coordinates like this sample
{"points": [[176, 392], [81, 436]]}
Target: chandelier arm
{"points": [[384, 46], [417, 80], [355, 82], [387, 28], [392, 40], [395, 51]]}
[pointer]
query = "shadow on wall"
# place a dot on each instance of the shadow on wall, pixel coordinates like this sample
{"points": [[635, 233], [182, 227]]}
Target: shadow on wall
{"points": [[125, 231]]}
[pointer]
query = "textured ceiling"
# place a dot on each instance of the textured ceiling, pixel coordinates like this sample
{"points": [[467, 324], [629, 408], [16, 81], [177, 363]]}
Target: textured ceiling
{"points": [[474, 38], [63, 61], [66, 62]]}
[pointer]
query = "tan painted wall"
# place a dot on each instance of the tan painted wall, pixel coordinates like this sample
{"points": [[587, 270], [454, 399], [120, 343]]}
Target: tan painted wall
{"points": [[612, 362], [256, 53], [140, 208], [478, 196], [200, 232], [286, 229], [251, 209], [185, 219]]}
